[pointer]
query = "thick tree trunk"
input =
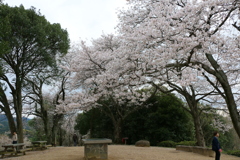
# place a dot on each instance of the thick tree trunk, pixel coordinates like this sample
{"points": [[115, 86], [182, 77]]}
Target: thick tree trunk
{"points": [[46, 130], [55, 127], [60, 136], [18, 109], [198, 131], [6, 109], [54, 135], [11, 122], [20, 128], [227, 94], [45, 119], [194, 111]]}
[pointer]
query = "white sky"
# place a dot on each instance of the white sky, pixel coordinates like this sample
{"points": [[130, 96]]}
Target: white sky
{"points": [[85, 19]]}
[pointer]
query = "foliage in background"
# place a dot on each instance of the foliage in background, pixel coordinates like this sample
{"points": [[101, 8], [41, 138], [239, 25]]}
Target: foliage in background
{"points": [[31, 45], [234, 153], [167, 144], [97, 122], [212, 121], [187, 143], [163, 120], [37, 133], [37, 130], [173, 144]]}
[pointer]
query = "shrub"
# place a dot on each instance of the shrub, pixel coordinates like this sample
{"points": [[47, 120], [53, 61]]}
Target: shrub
{"points": [[167, 144], [234, 153], [187, 143]]}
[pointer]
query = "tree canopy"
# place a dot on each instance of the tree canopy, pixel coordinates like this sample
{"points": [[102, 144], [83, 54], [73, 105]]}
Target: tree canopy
{"points": [[32, 44], [191, 45]]}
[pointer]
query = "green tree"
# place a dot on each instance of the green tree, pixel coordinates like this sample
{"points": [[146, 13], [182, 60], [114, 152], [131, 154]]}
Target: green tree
{"points": [[118, 111], [33, 45], [99, 124], [161, 121]]}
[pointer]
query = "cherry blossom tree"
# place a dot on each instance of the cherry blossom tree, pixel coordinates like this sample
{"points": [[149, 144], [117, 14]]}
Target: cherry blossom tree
{"points": [[194, 39], [104, 82], [193, 94], [183, 34]]}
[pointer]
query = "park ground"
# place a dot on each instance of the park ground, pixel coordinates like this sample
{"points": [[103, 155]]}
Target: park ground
{"points": [[118, 152]]}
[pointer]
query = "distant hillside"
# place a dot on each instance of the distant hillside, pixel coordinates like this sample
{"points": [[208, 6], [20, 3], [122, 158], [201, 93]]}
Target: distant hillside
{"points": [[4, 123], [3, 117]]}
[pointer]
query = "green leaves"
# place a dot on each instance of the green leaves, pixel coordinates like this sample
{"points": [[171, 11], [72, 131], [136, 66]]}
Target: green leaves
{"points": [[32, 40], [28, 45]]}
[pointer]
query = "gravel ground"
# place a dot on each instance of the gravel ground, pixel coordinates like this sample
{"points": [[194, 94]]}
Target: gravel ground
{"points": [[117, 152]]}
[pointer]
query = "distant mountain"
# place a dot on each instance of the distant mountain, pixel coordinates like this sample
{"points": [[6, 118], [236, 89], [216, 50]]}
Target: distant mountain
{"points": [[4, 123], [3, 117]]}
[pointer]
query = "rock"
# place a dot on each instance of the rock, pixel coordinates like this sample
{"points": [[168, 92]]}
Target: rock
{"points": [[142, 143]]}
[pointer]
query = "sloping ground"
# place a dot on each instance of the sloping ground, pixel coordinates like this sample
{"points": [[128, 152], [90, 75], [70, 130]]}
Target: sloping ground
{"points": [[117, 152]]}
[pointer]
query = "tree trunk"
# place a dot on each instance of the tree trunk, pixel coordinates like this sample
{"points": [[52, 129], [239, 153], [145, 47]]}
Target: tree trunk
{"points": [[20, 128], [194, 111], [55, 127], [18, 109], [46, 129], [118, 131], [60, 136], [6, 109], [45, 119], [198, 131], [54, 135], [11, 122], [228, 94]]}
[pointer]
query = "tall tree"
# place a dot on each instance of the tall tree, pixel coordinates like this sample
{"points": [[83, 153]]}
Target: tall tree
{"points": [[159, 35], [33, 45], [41, 104], [188, 33]]}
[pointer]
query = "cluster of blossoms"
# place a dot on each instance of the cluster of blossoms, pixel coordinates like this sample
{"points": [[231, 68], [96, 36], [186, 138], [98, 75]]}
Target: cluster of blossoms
{"points": [[183, 44]]}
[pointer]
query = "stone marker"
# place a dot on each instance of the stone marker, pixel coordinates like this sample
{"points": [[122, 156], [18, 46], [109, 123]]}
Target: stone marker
{"points": [[96, 149]]}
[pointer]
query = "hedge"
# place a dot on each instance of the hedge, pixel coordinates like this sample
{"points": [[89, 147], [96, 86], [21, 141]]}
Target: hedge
{"points": [[187, 143], [167, 144], [234, 153]]}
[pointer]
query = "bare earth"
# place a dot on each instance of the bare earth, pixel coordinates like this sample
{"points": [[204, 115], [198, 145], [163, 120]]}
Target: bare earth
{"points": [[117, 152]]}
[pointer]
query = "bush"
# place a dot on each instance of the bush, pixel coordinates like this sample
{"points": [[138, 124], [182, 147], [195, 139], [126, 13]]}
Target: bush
{"points": [[234, 153], [167, 144], [187, 143]]}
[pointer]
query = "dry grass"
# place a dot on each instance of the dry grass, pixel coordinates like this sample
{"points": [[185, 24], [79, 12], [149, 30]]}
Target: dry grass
{"points": [[117, 152]]}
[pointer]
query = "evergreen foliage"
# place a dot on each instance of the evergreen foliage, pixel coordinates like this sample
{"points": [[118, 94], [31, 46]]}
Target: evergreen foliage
{"points": [[97, 122], [167, 144], [234, 153], [31, 44], [162, 120], [187, 143]]}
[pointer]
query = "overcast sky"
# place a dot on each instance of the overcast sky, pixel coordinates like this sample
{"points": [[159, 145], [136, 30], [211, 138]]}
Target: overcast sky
{"points": [[85, 19]]}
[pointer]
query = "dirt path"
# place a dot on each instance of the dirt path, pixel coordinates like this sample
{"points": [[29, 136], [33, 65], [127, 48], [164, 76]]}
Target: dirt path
{"points": [[117, 152]]}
